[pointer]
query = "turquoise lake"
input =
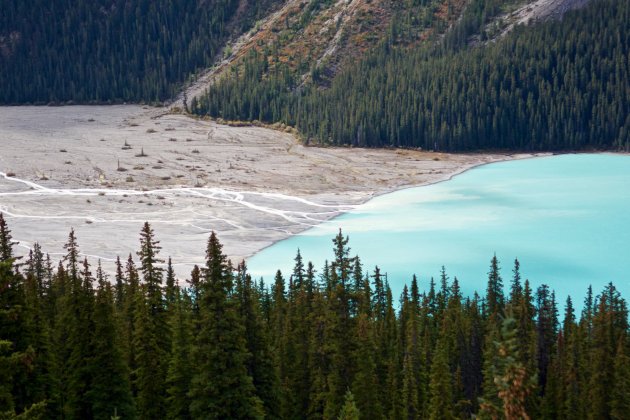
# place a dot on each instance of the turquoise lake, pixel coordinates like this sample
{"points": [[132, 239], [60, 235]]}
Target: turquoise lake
{"points": [[566, 218]]}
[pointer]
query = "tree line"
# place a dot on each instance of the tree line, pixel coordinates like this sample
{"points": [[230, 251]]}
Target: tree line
{"points": [[112, 50], [77, 344], [552, 86]]}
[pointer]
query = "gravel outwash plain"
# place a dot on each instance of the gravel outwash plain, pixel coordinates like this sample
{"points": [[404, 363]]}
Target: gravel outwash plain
{"points": [[104, 170]]}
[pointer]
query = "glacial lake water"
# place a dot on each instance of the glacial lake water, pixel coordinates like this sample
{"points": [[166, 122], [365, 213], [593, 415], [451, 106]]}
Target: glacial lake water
{"points": [[566, 218]]}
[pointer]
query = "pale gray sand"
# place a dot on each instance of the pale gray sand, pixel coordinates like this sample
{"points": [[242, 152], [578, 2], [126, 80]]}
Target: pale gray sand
{"points": [[82, 167]]}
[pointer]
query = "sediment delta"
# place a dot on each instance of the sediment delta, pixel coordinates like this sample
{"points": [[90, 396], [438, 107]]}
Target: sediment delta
{"points": [[104, 170]]}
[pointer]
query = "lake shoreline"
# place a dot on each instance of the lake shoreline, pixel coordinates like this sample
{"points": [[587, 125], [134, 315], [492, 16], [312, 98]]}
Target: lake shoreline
{"points": [[254, 186], [564, 217], [508, 157]]}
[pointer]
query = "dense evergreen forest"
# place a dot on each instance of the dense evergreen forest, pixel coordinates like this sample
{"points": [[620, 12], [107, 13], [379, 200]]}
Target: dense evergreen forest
{"points": [[552, 86], [76, 344], [111, 50]]}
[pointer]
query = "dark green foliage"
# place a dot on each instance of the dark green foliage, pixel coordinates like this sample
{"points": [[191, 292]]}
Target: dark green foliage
{"points": [[441, 387], [494, 293], [149, 373], [260, 365], [327, 349], [111, 50], [9, 325], [365, 385], [78, 319], [110, 389], [546, 330], [180, 368], [556, 86], [221, 386], [620, 403], [610, 326], [349, 410], [510, 376], [152, 333], [6, 244]]}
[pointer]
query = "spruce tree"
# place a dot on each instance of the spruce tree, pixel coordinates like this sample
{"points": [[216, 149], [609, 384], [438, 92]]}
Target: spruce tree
{"points": [[15, 353], [619, 401], [152, 333], [318, 356], [365, 385], [516, 288], [110, 391], [546, 333], [180, 367], [80, 315], [170, 292], [494, 292], [128, 319], [72, 333], [510, 375], [490, 403], [221, 387], [411, 408], [149, 375], [610, 324], [349, 410], [6, 242], [195, 291], [119, 296], [339, 333], [441, 388], [298, 271], [39, 384], [260, 366]]}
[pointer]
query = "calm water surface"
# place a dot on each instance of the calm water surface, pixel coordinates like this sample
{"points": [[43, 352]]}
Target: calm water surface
{"points": [[566, 218]]}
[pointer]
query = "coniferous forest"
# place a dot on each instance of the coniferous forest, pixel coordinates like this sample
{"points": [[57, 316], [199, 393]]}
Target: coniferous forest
{"points": [[552, 86], [330, 343], [111, 50]]}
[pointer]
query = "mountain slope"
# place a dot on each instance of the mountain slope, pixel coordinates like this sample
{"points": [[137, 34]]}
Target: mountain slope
{"points": [[112, 50], [141, 51], [553, 86]]}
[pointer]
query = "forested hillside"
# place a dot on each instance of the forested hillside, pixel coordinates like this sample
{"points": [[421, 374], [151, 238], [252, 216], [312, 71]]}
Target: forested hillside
{"points": [[112, 50], [553, 86], [326, 344]]}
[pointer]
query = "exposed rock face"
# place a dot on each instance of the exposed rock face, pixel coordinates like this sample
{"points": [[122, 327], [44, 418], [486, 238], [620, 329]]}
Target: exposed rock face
{"points": [[538, 11]]}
